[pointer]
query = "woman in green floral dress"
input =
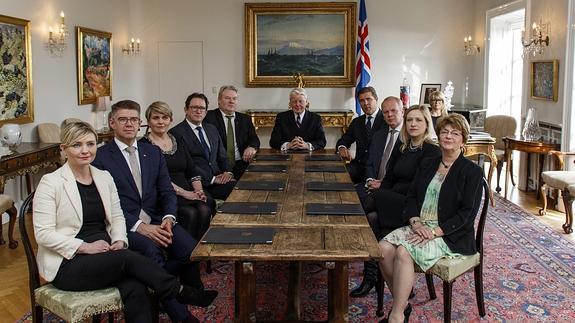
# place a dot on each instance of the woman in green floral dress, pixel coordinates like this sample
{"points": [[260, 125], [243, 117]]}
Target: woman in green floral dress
{"points": [[441, 206]]}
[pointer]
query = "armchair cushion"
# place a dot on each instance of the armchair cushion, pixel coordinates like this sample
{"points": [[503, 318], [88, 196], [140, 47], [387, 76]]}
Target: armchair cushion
{"points": [[558, 179], [450, 268], [78, 306]]}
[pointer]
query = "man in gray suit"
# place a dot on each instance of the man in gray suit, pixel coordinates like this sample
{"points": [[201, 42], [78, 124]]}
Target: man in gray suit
{"points": [[206, 147]]}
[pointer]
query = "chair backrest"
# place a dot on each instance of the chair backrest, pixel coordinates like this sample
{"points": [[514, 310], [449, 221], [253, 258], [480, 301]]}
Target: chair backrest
{"points": [[482, 218], [26, 233], [500, 126], [49, 133]]}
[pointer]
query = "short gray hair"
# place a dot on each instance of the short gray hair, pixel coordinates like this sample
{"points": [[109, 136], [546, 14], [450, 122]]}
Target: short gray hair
{"points": [[298, 91], [226, 87]]}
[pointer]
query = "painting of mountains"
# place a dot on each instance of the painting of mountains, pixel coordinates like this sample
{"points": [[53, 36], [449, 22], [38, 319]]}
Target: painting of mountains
{"points": [[310, 44]]}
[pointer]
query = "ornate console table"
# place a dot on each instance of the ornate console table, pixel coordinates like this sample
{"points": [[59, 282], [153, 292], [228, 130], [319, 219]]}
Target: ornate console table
{"points": [[330, 119]]}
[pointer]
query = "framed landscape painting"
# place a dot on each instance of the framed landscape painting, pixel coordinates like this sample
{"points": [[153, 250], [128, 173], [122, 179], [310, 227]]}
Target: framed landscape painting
{"points": [[94, 64], [16, 95], [544, 79], [311, 42]]}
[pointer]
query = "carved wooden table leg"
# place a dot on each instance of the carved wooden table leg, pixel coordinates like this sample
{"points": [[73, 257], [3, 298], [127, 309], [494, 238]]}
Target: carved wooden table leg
{"points": [[338, 292], [12, 212], [294, 287], [245, 296]]}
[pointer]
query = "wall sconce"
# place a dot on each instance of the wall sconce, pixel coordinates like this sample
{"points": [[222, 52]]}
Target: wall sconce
{"points": [[133, 47], [57, 38], [469, 47], [102, 105], [539, 39]]}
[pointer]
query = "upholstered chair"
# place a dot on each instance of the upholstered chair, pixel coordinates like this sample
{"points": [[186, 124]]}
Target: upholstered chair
{"points": [[500, 126], [70, 306], [7, 206], [559, 179], [48, 133]]}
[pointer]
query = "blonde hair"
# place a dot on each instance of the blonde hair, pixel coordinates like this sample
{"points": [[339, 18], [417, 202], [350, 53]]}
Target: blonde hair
{"points": [[438, 95], [457, 121], [429, 132], [73, 131], [159, 107]]}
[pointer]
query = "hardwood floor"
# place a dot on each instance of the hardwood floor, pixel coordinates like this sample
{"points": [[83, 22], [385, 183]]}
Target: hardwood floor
{"points": [[15, 301]]}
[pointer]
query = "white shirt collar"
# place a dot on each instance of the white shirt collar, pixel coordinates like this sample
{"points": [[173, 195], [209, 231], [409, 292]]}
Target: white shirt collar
{"points": [[300, 115], [123, 146], [224, 115], [193, 125]]}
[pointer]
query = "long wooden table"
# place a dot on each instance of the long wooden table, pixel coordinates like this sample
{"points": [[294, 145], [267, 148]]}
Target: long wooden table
{"points": [[332, 240]]}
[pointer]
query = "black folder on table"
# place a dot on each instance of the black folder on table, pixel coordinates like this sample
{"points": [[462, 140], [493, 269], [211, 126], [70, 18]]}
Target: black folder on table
{"points": [[325, 168], [267, 168], [329, 186], [260, 185], [249, 207], [332, 157], [298, 151], [272, 157], [239, 235], [333, 209]]}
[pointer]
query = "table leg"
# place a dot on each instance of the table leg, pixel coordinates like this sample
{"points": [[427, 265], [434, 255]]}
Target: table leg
{"points": [[293, 294], [245, 292], [507, 170], [338, 292], [541, 161], [492, 166]]}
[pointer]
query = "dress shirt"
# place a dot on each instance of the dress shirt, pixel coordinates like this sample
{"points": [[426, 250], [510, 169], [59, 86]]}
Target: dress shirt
{"points": [[195, 130], [237, 153]]}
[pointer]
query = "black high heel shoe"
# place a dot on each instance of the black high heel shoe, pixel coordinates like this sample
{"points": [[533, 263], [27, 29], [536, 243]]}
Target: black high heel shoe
{"points": [[406, 314]]}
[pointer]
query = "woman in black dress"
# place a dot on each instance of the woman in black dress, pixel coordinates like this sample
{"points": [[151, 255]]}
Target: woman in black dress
{"points": [[194, 207], [416, 135]]}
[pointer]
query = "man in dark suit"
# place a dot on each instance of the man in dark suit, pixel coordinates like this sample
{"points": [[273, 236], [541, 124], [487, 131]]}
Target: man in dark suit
{"points": [[149, 202], [243, 143], [384, 144], [299, 128], [360, 132], [205, 145]]}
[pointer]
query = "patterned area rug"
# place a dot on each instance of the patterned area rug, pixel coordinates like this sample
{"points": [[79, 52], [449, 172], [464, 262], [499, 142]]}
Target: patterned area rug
{"points": [[529, 275]]}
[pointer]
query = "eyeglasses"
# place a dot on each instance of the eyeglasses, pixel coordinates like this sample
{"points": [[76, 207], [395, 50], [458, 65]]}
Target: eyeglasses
{"points": [[454, 133], [197, 108], [125, 120], [436, 100]]}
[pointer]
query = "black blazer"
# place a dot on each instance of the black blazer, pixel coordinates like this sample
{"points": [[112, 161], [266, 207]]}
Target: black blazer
{"points": [[376, 149], [459, 200], [245, 132], [285, 129], [218, 162], [357, 133]]}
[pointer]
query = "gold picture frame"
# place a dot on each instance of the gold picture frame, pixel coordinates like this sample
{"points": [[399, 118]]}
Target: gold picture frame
{"points": [[17, 95], [544, 80], [313, 42], [94, 56]]}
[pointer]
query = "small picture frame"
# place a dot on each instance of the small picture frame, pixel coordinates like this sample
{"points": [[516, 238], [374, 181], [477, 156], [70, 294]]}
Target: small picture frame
{"points": [[544, 80], [426, 90]]}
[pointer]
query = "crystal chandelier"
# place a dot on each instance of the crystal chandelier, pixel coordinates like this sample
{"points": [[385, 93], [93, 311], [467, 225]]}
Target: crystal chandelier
{"points": [[536, 43]]}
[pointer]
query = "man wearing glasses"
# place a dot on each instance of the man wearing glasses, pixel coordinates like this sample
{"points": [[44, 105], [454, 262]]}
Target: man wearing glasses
{"points": [[149, 204], [206, 147]]}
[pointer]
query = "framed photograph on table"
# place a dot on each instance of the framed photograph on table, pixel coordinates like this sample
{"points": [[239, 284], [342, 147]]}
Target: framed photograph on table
{"points": [[426, 90], [94, 55], [16, 94], [544, 80], [306, 43]]}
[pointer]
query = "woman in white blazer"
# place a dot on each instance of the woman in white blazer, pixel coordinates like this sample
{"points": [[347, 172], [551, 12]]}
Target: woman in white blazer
{"points": [[81, 233]]}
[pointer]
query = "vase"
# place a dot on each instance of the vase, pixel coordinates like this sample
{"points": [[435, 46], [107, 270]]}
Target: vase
{"points": [[531, 130], [10, 135]]}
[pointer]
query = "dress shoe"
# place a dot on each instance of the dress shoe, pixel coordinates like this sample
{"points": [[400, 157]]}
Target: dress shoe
{"points": [[406, 314], [193, 296], [363, 289]]}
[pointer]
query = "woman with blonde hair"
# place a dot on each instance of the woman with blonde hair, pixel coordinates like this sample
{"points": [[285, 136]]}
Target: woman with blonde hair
{"points": [[437, 106]]}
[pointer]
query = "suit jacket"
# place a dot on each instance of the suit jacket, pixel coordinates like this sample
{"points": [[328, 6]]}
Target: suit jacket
{"points": [[376, 149], [285, 129], [245, 132], [58, 216], [357, 133], [218, 162], [459, 200], [158, 196]]}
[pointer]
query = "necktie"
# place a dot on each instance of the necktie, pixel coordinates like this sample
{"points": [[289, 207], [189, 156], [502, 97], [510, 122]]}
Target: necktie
{"points": [[386, 154], [230, 146], [368, 124], [298, 120], [137, 175], [204, 143]]}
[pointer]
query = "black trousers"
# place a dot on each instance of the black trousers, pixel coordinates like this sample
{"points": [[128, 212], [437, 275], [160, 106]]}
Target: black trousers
{"points": [[221, 191], [127, 270]]}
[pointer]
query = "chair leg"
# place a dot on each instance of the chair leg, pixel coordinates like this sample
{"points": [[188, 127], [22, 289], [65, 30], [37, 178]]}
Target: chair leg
{"points": [[209, 267], [478, 275], [380, 290], [447, 287], [543, 211], [37, 314], [430, 286], [13, 213], [499, 169], [568, 203]]}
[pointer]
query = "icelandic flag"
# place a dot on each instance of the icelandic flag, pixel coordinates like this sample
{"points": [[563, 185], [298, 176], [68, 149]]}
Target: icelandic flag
{"points": [[363, 61]]}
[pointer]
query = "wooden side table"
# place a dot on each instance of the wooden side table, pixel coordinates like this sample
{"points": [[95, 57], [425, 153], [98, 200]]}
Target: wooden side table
{"points": [[529, 147]]}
